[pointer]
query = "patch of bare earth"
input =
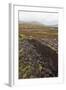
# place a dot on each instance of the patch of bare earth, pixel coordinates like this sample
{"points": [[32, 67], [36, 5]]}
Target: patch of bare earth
{"points": [[37, 59]]}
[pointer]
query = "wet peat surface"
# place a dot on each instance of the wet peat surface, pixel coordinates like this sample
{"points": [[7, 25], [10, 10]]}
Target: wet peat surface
{"points": [[36, 60]]}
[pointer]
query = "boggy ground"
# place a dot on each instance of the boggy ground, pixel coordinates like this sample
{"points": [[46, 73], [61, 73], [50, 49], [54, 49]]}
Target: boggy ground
{"points": [[37, 60]]}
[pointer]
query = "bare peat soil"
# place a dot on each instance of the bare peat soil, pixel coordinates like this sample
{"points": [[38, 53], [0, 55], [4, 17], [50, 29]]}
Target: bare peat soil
{"points": [[36, 60]]}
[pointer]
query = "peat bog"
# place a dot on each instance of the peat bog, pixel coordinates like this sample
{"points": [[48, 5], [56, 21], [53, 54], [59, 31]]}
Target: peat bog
{"points": [[38, 52]]}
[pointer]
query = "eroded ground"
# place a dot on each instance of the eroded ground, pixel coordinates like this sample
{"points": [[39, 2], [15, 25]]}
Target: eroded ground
{"points": [[38, 54]]}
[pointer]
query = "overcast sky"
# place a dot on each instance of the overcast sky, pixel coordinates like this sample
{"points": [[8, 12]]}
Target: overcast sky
{"points": [[44, 18]]}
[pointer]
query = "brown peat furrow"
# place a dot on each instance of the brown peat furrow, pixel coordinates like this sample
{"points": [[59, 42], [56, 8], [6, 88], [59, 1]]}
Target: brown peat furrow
{"points": [[37, 60]]}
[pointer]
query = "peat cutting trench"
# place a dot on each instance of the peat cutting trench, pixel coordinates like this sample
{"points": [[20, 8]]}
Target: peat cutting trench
{"points": [[37, 60]]}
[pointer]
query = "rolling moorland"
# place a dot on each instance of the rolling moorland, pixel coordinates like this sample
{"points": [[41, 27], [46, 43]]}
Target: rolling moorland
{"points": [[38, 50]]}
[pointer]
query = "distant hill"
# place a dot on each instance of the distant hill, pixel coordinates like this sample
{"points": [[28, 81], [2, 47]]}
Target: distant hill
{"points": [[31, 25], [36, 26], [53, 25]]}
